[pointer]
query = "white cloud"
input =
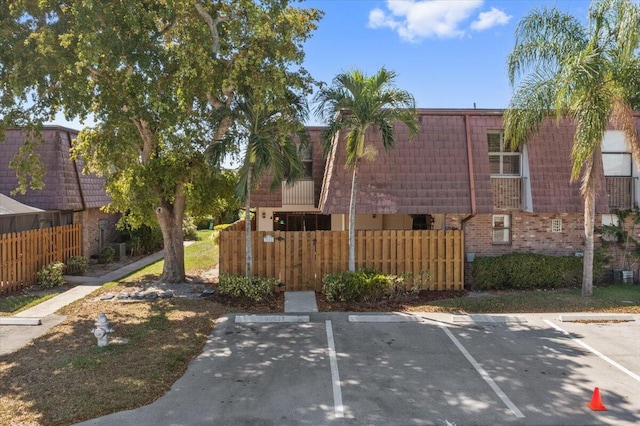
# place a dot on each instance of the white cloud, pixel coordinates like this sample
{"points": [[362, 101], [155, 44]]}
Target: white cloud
{"points": [[490, 19], [417, 19]]}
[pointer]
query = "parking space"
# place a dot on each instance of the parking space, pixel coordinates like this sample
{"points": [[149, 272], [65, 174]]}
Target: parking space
{"points": [[547, 375], [404, 369]]}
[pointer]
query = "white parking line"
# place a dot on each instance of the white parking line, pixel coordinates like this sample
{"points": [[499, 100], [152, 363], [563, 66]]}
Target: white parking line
{"points": [[384, 318], [516, 412], [596, 352], [335, 375], [240, 319]]}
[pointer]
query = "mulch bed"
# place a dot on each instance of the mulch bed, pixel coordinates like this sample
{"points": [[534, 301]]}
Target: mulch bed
{"points": [[276, 304], [400, 304]]}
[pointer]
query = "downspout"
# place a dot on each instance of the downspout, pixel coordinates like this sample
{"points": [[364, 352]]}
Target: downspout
{"points": [[472, 177], [472, 187]]}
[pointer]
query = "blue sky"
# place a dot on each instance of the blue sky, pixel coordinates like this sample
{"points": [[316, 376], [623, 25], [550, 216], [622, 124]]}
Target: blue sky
{"points": [[447, 53]]}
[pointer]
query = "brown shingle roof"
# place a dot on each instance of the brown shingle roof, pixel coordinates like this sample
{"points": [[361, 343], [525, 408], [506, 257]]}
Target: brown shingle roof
{"points": [[432, 173], [66, 188]]}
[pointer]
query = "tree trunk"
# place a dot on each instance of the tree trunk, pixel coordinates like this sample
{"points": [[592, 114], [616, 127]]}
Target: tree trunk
{"points": [[247, 227], [170, 217], [352, 220], [589, 218]]}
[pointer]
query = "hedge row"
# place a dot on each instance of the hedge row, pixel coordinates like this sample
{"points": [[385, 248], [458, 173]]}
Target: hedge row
{"points": [[530, 270]]}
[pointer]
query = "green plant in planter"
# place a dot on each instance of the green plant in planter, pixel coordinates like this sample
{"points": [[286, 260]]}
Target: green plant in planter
{"points": [[620, 238]]}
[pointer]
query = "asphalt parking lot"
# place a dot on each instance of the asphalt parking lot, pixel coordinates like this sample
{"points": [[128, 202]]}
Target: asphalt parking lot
{"points": [[386, 369]]}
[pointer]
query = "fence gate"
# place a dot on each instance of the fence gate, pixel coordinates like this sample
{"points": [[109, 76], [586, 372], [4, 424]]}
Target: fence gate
{"points": [[300, 259]]}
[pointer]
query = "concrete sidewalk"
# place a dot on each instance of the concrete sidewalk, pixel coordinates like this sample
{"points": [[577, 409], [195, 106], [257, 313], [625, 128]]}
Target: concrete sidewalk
{"points": [[13, 337]]}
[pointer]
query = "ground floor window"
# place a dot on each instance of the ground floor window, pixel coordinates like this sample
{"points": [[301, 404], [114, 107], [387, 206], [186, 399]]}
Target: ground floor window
{"points": [[501, 228], [293, 221]]}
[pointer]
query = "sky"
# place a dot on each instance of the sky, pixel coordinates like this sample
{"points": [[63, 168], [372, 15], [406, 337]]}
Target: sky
{"points": [[447, 53]]}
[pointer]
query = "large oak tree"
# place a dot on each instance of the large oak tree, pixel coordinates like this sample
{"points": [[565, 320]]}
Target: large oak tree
{"points": [[158, 78]]}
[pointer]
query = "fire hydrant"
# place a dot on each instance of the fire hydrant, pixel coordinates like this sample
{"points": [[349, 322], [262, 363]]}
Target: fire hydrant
{"points": [[102, 330]]}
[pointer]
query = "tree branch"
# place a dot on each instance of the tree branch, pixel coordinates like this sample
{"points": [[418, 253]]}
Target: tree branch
{"points": [[213, 25]]}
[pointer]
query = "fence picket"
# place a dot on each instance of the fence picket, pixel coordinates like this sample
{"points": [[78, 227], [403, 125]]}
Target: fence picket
{"points": [[301, 259], [23, 254]]}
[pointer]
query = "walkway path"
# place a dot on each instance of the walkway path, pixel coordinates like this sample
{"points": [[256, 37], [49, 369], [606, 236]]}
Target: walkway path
{"points": [[13, 337]]}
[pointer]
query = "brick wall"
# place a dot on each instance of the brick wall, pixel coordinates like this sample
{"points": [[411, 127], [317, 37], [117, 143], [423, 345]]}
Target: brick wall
{"points": [[530, 233], [90, 220]]}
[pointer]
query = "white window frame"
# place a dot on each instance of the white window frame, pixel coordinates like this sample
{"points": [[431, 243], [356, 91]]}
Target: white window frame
{"points": [[556, 225], [504, 152], [501, 229]]}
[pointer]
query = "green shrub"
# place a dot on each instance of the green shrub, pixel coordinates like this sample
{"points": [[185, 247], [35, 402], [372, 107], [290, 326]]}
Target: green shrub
{"points": [[222, 226], [530, 270], [107, 254], [189, 229], [252, 289], [144, 240], [364, 285], [76, 265], [51, 276]]}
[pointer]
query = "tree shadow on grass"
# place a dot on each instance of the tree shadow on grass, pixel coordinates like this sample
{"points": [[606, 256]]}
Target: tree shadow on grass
{"points": [[63, 377]]}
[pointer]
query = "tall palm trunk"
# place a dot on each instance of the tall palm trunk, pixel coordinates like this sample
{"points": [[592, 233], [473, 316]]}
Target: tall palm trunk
{"points": [[589, 222], [589, 189], [352, 219], [247, 226]]}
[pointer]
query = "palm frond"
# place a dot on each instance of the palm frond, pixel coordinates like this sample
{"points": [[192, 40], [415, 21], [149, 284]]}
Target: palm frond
{"points": [[622, 118], [544, 38], [529, 106]]}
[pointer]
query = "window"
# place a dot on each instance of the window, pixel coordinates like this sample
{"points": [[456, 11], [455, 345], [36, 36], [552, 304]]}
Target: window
{"points": [[305, 153], [616, 163], [502, 161], [501, 228], [556, 225]]}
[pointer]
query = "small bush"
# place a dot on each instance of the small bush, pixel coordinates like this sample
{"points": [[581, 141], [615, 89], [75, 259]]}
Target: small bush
{"points": [[364, 285], [189, 229], [76, 265], [410, 284], [252, 289], [107, 254], [530, 270], [222, 226], [51, 276]]}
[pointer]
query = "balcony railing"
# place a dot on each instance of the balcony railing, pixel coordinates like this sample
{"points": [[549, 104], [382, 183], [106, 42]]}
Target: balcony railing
{"points": [[300, 193], [507, 192], [620, 191]]}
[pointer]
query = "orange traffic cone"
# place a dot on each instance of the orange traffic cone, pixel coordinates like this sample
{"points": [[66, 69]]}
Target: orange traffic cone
{"points": [[596, 402]]}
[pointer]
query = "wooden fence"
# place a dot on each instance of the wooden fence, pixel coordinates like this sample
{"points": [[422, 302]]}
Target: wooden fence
{"points": [[301, 259], [23, 254]]}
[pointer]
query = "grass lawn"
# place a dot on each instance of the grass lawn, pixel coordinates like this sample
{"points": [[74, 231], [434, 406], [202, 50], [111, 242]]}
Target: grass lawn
{"points": [[621, 298], [63, 377]]}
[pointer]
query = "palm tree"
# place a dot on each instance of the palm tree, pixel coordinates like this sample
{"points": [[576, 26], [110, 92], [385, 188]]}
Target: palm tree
{"points": [[272, 125], [355, 102], [587, 74]]}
